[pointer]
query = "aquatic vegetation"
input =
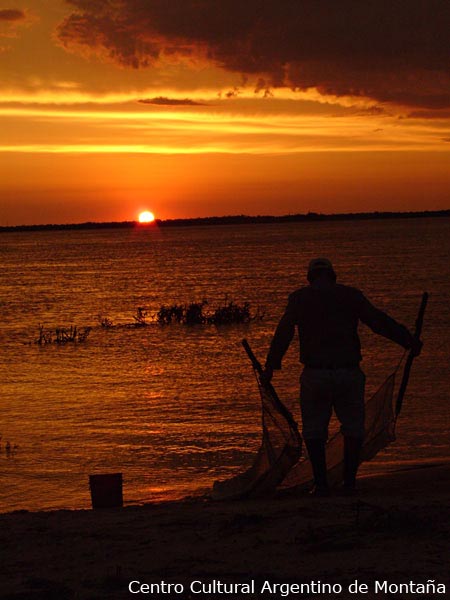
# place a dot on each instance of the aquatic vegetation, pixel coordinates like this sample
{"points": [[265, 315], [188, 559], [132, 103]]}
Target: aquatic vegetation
{"points": [[62, 335], [228, 313], [140, 318], [10, 449], [187, 314], [194, 313], [105, 321], [170, 314], [45, 337]]}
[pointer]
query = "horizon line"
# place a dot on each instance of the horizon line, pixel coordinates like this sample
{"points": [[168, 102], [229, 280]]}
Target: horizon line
{"points": [[230, 220]]}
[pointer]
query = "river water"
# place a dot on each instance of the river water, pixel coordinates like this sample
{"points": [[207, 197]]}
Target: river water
{"points": [[174, 408]]}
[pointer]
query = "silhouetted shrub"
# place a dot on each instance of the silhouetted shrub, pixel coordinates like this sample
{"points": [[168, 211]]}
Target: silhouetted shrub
{"points": [[140, 318], [62, 335], [187, 314], [228, 313], [194, 313], [105, 321], [170, 314], [231, 313]]}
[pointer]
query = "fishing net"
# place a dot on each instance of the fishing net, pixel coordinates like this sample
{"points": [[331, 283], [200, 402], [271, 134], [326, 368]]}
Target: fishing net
{"points": [[280, 450], [278, 461]]}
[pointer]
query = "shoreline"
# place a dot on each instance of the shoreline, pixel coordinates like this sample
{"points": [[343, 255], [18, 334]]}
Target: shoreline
{"points": [[310, 217], [396, 529], [368, 470]]}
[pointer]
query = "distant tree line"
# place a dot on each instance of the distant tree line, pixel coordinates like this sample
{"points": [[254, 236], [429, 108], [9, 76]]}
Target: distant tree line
{"points": [[233, 220]]}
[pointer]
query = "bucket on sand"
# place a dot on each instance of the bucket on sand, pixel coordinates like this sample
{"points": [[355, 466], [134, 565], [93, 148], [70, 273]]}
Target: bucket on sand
{"points": [[106, 490]]}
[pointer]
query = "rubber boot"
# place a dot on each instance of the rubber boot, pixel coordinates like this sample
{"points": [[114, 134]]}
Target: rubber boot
{"points": [[317, 457], [352, 455]]}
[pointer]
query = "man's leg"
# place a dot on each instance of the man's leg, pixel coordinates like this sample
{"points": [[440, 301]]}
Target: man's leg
{"points": [[317, 457], [349, 407], [316, 407], [352, 455]]}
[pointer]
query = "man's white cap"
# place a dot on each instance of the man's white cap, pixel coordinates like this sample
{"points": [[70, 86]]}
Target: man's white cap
{"points": [[319, 263]]}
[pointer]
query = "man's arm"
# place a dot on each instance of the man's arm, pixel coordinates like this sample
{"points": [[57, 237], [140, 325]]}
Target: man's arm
{"points": [[384, 325], [281, 339]]}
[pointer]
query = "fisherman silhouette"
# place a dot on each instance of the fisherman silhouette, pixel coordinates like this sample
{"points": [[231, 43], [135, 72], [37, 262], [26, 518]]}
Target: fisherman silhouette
{"points": [[326, 315]]}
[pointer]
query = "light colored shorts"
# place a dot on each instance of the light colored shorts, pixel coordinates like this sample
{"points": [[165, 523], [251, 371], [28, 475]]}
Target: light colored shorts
{"points": [[321, 391]]}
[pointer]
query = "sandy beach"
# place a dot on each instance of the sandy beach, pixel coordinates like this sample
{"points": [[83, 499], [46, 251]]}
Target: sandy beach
{"points": [[395, 530]]}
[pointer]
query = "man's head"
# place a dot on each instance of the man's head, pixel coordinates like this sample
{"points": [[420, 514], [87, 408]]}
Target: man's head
{"points": [[320, 267]]}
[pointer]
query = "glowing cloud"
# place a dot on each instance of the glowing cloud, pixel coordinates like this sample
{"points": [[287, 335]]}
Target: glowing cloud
{"points": [[391, 51]]}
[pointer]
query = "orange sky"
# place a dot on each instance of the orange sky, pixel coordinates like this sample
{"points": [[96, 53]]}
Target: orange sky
{"points": [[99, 126]]}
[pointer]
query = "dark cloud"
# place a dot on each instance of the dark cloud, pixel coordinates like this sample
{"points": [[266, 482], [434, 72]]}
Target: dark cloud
{"points": [[429, 114], [163, 101], [390, 50], [233, 93], [11, 15]]}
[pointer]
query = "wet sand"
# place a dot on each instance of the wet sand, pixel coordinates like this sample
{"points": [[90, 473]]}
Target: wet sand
{"points": [[396, 530]]}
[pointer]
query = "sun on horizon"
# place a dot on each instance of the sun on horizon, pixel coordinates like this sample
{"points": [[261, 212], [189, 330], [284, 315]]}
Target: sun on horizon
{"points": [[146, 217]]}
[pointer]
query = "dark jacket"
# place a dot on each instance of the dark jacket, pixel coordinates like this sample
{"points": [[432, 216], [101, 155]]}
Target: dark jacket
{"points": [[327, 316]]}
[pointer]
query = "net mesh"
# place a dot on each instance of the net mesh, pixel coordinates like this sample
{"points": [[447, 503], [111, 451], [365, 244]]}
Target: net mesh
{"points": [[278, 462], [280, 450]]}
